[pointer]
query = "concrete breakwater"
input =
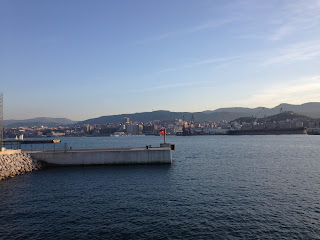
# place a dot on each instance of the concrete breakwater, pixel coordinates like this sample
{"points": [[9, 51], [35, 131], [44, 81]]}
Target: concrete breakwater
{"points": [[12, 164], [15, 162], [115, 156]]}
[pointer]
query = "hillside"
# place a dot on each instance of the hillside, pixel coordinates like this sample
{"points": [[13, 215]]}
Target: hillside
{"points": [[163, 115], [229, 114], [38, 122], [311, 109], [283, 116]]}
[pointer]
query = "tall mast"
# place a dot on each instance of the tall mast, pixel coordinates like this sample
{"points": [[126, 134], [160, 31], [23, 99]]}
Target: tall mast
{"points": [[1, 121]]}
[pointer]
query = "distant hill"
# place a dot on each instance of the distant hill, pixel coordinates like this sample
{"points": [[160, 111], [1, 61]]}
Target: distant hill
{"points": [[277, 117], [40, 121], [311, 109], [286, 115], [162, 115], [308, 109], [229, 114]]}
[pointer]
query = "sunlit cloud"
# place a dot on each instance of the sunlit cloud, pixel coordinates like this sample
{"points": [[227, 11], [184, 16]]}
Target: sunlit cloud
{"points": [[294, 92]]}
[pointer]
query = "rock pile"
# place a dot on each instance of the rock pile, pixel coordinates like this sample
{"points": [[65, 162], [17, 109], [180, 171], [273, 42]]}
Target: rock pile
{"points": [[16, 164]]}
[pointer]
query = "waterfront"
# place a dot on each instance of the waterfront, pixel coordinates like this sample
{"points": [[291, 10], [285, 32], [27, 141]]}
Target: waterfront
{"points": [[218, 187]]}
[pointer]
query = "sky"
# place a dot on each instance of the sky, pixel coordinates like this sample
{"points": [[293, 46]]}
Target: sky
{"points": [[84, 59]]}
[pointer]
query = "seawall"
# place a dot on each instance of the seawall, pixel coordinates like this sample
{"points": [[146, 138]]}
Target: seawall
{"points": [[114, 156], [14, 162]]}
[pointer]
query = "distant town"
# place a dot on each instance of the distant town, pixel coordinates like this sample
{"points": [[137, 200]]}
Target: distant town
{"points": [[285, 121]]}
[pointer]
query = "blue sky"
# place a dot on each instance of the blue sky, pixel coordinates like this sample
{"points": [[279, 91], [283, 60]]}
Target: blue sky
{"points": [[85, 59]]}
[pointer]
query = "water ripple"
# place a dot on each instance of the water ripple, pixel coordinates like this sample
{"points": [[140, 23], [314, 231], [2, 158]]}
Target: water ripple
{"points": [[219, 187]]}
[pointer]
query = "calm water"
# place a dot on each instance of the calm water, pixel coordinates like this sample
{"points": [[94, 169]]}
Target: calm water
{"points": [[219, 187]]}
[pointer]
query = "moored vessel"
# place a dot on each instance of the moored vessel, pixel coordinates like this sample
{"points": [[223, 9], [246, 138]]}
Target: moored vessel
{"points": [[268, 131], [313, 131]]}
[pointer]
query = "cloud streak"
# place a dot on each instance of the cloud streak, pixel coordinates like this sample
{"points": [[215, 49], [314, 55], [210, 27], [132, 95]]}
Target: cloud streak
{"points": [[295, 92], [186, 31], [296, 52], [218, 61], [294, 17], [170, 86]]}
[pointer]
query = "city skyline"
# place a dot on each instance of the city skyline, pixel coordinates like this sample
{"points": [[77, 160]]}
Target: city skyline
{"points": [[82, 60]]}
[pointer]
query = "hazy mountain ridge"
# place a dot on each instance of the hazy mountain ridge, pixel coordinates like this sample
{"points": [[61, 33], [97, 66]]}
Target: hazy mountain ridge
{"points": [[40, 121], [238, 110], [278, 117], [229, 114], [311, 109], [162, 115]]}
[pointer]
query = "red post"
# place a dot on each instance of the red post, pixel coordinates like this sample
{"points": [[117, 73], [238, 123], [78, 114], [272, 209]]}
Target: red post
{"points": [[164, 135]]}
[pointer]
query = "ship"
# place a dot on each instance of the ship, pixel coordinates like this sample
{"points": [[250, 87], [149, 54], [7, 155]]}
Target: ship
{"points": [[268, 131], [313, 131]]}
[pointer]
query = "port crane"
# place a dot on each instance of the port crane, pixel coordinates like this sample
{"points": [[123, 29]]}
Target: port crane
{"points": [[257, 117], [186, 131]]}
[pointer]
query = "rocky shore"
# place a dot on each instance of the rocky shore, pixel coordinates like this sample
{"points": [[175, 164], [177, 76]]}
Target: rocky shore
{"points": [[16, 164]]}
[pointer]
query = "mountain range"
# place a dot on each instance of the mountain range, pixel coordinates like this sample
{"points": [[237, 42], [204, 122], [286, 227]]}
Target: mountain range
{"points": [[311, 109], [38, 122]]}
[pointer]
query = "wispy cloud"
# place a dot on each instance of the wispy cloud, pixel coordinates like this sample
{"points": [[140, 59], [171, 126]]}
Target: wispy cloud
{"points": [[186, 31], [293, 17], [216, 61], [281, 32], [302, 19], [295, 92], [302, 51], [297, 52], [170, 86]]}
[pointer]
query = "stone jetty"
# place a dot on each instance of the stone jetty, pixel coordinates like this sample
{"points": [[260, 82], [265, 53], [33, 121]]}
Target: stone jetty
{"points": [[16, 164]]}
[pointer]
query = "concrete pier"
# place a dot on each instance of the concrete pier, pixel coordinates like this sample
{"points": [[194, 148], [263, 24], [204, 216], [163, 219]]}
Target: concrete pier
{"points": [[162, 155]]}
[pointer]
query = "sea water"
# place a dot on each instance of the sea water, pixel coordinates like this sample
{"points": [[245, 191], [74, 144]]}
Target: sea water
{"points": [[218, 187]]}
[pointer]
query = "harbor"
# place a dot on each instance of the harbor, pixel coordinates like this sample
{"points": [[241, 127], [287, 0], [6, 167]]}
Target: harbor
{"points": [[209, 176], [17, 161]]}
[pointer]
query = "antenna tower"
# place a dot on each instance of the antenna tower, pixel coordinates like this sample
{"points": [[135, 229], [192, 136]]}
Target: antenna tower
{"points": [[1, 120]]}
